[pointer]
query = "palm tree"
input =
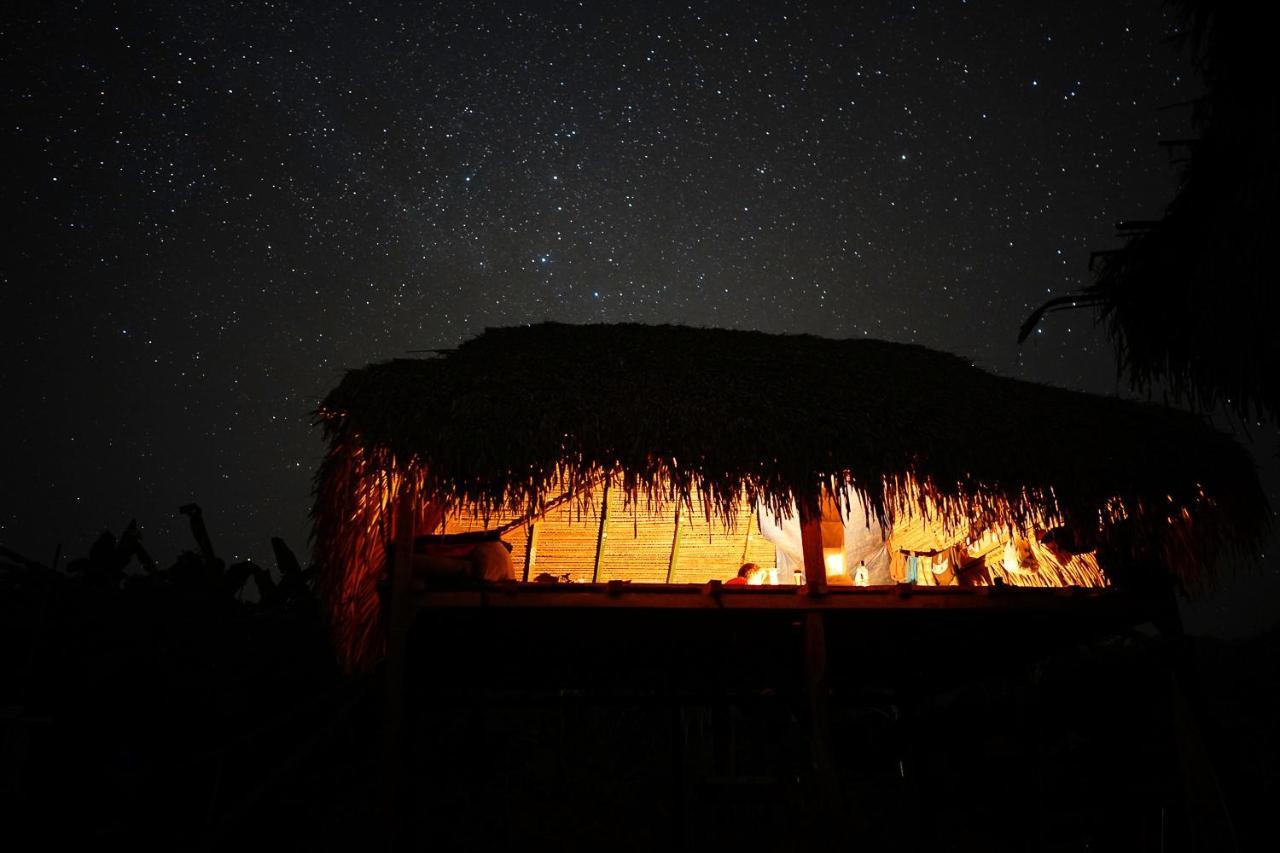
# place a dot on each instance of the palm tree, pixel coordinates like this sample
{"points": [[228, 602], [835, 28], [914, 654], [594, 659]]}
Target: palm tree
{"points": [[1189, 299]]}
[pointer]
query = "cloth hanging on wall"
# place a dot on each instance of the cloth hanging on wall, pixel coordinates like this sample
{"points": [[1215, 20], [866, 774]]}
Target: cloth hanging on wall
{"points": [[864, 541]]}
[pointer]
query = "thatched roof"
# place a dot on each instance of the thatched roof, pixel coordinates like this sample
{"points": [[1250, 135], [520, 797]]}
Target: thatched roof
{"points": [[1190, 300], [508, 417]]}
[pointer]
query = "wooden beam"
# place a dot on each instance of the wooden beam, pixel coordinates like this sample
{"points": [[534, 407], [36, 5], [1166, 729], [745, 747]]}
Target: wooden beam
{"points": [[815, 567], [531, 551], [746, 543], [536, 514], [600, 535], [675, 545], [659, 596], [825, 794]]}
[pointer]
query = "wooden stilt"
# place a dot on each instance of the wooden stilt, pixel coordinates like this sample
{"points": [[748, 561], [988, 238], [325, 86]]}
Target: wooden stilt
{"points": [[400, 614], [826, 788]]}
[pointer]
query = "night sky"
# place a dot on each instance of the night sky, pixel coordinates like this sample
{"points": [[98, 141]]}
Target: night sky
{"points": [[213, 210]]}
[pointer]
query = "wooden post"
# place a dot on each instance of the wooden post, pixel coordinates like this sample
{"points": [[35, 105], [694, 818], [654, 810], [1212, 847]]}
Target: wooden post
{"points": [[746, 543], [604, 518], [815, 567], [827, 789], [400, 614], [531, 552], [675, 545]]}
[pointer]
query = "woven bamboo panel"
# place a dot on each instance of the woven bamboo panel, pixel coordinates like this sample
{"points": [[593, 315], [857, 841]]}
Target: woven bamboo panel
{"points": [[567, 542], [709, 550], [637, 543]]}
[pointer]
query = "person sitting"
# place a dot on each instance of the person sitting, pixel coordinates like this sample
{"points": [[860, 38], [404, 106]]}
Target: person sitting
{"points": [[748, 574]]}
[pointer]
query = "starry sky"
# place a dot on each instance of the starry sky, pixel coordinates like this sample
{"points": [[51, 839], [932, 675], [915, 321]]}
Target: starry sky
{"points": [[214, 209]]}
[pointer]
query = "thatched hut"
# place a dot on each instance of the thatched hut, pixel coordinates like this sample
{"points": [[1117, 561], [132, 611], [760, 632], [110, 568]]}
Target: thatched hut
{"points": [[648, 459]]}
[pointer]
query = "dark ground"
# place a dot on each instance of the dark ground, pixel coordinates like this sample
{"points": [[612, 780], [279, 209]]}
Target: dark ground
{"points": [[165, 708]]}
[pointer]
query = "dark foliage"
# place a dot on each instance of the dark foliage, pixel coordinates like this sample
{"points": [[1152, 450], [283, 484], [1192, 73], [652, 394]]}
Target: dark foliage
{"points": [[1190, 300], [165, 708], [161, 707]]}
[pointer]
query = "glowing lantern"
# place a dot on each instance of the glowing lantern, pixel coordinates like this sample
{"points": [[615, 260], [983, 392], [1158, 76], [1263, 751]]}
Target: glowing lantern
{"points": [[833, 541], [834, 559]]}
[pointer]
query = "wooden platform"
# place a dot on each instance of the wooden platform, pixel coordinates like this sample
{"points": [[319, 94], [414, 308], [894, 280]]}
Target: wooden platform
{"points": [[715, 596], [683, 637]]}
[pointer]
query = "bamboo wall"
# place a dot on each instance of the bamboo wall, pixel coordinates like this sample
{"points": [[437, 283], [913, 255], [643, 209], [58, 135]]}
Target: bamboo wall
{"points": [[637, 543]]}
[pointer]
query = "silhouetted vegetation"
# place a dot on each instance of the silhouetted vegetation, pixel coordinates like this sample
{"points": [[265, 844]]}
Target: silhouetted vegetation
{"points": [[169, 707], [198, 706]]}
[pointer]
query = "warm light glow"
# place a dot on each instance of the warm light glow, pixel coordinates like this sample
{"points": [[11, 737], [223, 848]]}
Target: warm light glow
{"points": [[362, 490], [1009, 562]]}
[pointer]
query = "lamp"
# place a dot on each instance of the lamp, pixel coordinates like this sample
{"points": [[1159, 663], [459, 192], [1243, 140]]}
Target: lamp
{"points": [[834, 560], [833, 542]]}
